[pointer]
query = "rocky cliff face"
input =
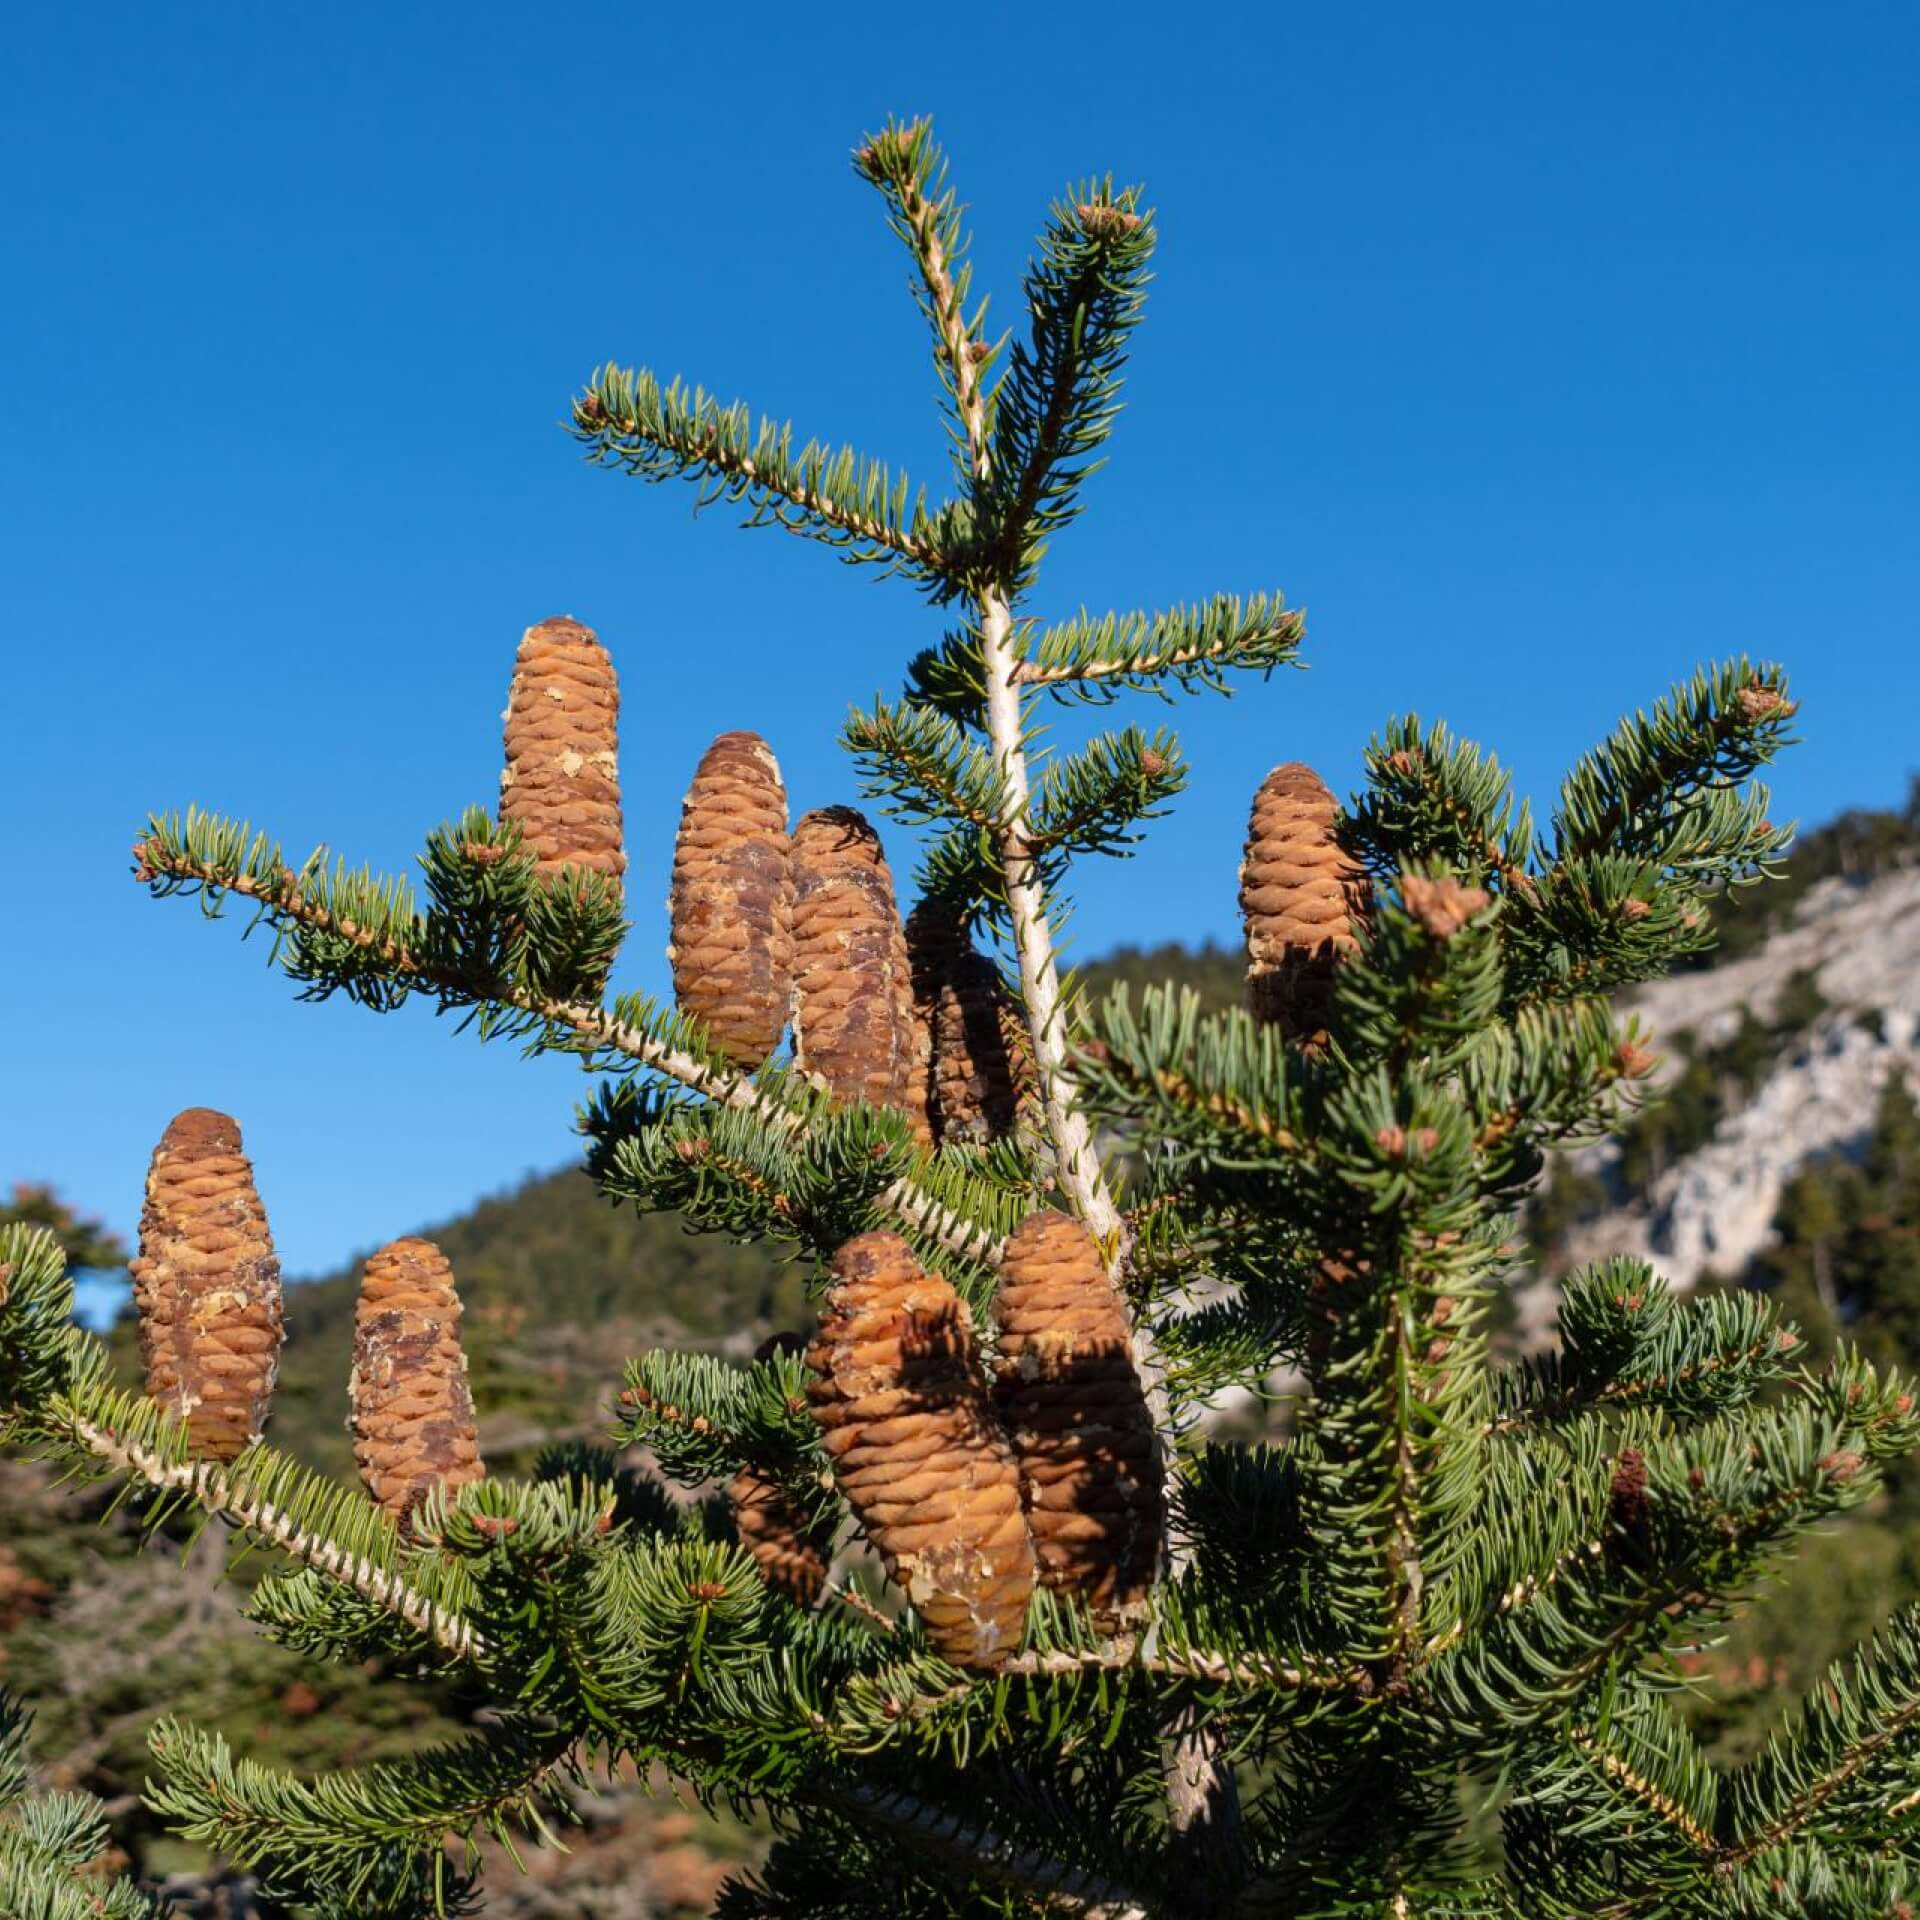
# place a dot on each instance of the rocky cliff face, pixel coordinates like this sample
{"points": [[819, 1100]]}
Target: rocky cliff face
{"points": [[1714, 1208]]}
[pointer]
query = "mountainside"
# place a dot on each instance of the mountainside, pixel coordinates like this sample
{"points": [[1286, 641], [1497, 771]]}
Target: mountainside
{"points": [[1840, 985]]}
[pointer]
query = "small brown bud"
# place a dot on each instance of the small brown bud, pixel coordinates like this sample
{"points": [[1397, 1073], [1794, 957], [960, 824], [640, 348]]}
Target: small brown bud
{"points": [[1152, 764], [1696, 1479], [693, 1151], [1627, 1496], [979, 351], [1842, 1467], [589, 410], [1631, 1061], [1761, 702], [706, 1591], [1442, 906], [1391, 1140], [492, 1526], [1634, 909], [1425, 1139]]}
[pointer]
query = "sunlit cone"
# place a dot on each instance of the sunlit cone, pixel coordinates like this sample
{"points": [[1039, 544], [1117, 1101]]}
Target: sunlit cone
{"points": [[979, 1074], [561, 784], [409, 1407], [916, 1450], [1304, 899], [1071, 1403], [852, 995], [207, 1286], [790, 1553], [732, 901]]}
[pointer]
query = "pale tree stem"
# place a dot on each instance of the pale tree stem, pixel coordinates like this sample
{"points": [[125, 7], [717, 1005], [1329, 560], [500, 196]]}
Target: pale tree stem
{"points": [[1203, 1798], [1076, 1163], [1203, 1810]]}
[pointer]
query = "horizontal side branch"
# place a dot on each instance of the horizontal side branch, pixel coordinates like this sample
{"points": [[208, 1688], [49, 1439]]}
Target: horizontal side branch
{"points": [[593, 1024]]}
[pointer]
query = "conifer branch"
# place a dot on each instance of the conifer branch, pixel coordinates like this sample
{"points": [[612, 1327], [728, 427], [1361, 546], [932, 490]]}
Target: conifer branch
{"points": [[227, 1495], [1193, 648], [1058, 1885], [910, 170], [215, 857], [627, 419]]}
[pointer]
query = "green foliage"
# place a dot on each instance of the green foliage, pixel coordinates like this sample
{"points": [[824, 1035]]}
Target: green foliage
{"points": [[51, 1845]]}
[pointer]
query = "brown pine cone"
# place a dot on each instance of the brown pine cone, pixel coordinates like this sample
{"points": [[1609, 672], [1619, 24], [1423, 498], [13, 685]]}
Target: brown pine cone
{"points": [[562, 778], [409, 1408], [852, 988], [1305, 901], [790, 1553], [1072, 1405], [980, 1074], [916, 1450], [207, 1286], [732, 903]]}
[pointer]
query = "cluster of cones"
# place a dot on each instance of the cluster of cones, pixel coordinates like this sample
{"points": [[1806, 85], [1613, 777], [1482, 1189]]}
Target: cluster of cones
{"points": [[207, 1289], [771, 928], [976, 1485]]}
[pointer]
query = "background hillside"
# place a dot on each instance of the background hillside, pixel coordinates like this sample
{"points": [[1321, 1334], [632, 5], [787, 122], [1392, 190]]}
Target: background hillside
{"points": [[1784, 1152]]}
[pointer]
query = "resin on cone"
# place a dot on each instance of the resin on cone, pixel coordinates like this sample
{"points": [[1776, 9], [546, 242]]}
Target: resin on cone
{"points": [[853, 1028], [409, 1407], [790, 1552], [904, 1414], [207, 1286], [732, 900], [978, 1074], [1304, 899], [1071, 1403], [561, 784]]}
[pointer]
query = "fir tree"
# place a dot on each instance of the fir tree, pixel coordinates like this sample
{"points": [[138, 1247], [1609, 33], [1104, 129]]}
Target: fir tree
{"points": [[1114, 1668]]}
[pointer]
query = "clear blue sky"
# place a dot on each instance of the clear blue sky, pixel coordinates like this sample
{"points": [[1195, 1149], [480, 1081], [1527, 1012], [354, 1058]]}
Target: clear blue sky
{"points": [[1537, 351]]}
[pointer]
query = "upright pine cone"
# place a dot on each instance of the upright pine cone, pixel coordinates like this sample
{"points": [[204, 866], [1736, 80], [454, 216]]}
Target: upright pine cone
{"points": [[1071, 1402], [790, 1552], [1304, 899], [408, 1405], [732, 943], [562, 779], [980, 1071], [916, 1450], [207, 1286], [853, 1027]]}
